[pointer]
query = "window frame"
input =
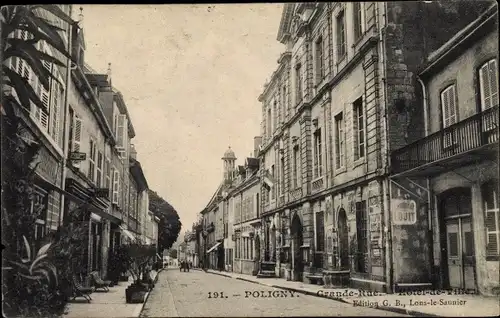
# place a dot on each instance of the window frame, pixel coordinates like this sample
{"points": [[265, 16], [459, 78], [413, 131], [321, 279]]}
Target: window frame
{"points": [[340, 24], [318, 162], [91, 173], [359, 20], [320, 63], [296, 160], [359, 129], [299, 94], [482, 96], [493, 187], [339, 141]]}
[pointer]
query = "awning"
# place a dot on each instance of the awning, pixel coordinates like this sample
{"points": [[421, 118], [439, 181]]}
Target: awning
{"points": [[159, 257], [129, 234], [214, 247]]}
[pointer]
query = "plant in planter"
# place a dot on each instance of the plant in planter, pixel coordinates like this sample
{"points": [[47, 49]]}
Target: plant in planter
{"points": [[118, 265], [140, 256]]}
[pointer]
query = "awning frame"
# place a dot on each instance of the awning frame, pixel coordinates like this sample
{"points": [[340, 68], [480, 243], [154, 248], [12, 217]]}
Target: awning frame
{"points": [[214, 247]]}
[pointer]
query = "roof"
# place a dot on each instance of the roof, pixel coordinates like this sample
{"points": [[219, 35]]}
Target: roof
{"points": [[252, 162], [286, 21], [229, 154], [138, 175], [459, 41]]}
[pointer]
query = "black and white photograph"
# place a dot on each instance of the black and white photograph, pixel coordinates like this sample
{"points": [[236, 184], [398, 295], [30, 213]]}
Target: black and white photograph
{"points": [[311, 159]]}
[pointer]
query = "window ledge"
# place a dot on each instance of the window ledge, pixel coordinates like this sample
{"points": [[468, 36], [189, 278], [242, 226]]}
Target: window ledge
{"points": [[340, 170], [359, 162]]}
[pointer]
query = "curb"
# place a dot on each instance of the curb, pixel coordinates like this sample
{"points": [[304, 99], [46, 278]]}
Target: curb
{"points": [[147, 294], [306, 292]]}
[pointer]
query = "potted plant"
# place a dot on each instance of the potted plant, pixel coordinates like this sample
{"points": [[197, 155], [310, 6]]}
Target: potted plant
{"points": [[140, 255], [118, 265]]}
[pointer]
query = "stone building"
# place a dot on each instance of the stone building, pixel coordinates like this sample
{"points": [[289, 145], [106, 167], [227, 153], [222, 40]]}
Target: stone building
{"points": [[456, 160], [342, 97]]}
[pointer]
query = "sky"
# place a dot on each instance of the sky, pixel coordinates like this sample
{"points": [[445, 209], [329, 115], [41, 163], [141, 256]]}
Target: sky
{"points": [[190, 76]]}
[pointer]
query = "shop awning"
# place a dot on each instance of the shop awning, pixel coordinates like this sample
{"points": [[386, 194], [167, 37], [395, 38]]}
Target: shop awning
{"points": [[128, 233], [214, 247]]}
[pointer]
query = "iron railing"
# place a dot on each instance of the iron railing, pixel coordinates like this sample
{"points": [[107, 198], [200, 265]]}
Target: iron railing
{"points": [[476, 131]]}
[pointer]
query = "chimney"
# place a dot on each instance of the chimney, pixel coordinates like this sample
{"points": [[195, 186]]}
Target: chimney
{"points": [[133, 152], [257, 141], [109, 74], [80, 18]]}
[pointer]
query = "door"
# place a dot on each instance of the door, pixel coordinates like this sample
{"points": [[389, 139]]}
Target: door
{"points": [[453, 244], [459, 239], [343, 240]]}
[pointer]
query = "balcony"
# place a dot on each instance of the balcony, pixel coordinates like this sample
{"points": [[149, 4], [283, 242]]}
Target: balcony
{"points": [[467, 142], [317, 185]]}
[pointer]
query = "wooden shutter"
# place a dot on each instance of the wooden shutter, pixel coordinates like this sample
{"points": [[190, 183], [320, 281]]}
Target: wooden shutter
{"points": [[115, 186], [55, 112], [488, 80], [449, 107], [121, 131], [77, 137]]}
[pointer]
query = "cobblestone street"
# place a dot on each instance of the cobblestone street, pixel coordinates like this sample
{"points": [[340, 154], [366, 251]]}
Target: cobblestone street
{"points": [[189, 294]]}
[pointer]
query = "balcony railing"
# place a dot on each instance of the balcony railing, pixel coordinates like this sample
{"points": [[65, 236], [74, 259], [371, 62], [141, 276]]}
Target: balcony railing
{"points": [[469, 134]]}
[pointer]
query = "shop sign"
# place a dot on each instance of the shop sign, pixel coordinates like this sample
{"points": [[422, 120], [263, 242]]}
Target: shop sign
{"points": [[77, 156], [404, 212], [102, 192]]}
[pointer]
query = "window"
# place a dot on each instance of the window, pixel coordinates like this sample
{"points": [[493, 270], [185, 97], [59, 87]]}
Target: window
{"points": [[298, 83], [488, 82], [273, 188], [362, 237], [276, 112], [320, 231], [339, 141], [92, 158], [283, 100], [320, 71], [359, 19], [296, 167], [71, 128], [107, 171], [358, 129], [491, 218], [116, 185], [282, 175], [121, 132], [100, 163], [449, 106], [341, 36], [318, 164], [257, 204], [269, 123], [251, 249], [76, 139], [449, 110]]}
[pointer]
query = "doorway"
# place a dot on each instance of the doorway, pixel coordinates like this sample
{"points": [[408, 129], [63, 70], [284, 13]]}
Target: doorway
{"points": [[297, 242], [458, 239], [343, 240], [257, 254]]}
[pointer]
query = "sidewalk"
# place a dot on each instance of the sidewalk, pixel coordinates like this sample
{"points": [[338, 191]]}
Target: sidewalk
{"points": [[110, 304], [426, 305]]}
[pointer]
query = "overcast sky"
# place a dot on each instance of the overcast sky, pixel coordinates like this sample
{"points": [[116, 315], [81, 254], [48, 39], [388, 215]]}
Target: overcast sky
{"points": [[191, 76]]}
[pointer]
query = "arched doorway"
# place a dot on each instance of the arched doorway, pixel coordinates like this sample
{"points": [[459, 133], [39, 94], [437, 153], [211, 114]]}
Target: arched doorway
{"points": [[297, 241], [343, 240], [257, 254], [457, 238]]}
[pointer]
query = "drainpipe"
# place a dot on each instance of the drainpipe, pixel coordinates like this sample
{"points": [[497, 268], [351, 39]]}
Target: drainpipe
{"points": [[425, 102], [386, 186], [65, 120]]}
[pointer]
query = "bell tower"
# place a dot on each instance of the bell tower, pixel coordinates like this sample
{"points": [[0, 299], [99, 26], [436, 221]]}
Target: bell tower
{"points": [[228, 160]]}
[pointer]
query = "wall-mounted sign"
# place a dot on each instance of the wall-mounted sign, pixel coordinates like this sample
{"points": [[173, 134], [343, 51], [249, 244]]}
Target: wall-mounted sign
{"points": [[404, 212], [102, 192], [77, 156]]}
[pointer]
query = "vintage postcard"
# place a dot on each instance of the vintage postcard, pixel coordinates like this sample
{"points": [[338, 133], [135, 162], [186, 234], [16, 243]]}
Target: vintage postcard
{"points": [[250, 160]]}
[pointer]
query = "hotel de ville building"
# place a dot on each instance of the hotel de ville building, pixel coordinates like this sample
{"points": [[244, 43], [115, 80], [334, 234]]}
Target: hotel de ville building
{"points": [[346, 93]]}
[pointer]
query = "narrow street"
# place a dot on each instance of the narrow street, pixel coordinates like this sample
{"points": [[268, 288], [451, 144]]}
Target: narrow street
{"points": [[186, 294]]}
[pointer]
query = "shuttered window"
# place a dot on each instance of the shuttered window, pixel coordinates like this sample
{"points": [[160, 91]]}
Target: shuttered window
{"points": [[488, 81], [121, 131], [107, 172], [116, 177], [77, 137], [55, 112], [448, 105], [92, 159], [100, 163], [491, 218]]}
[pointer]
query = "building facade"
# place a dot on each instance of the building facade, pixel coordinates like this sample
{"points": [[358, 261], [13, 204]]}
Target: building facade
{"points": [[84, 131], [456, 159], [344, 94]]}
